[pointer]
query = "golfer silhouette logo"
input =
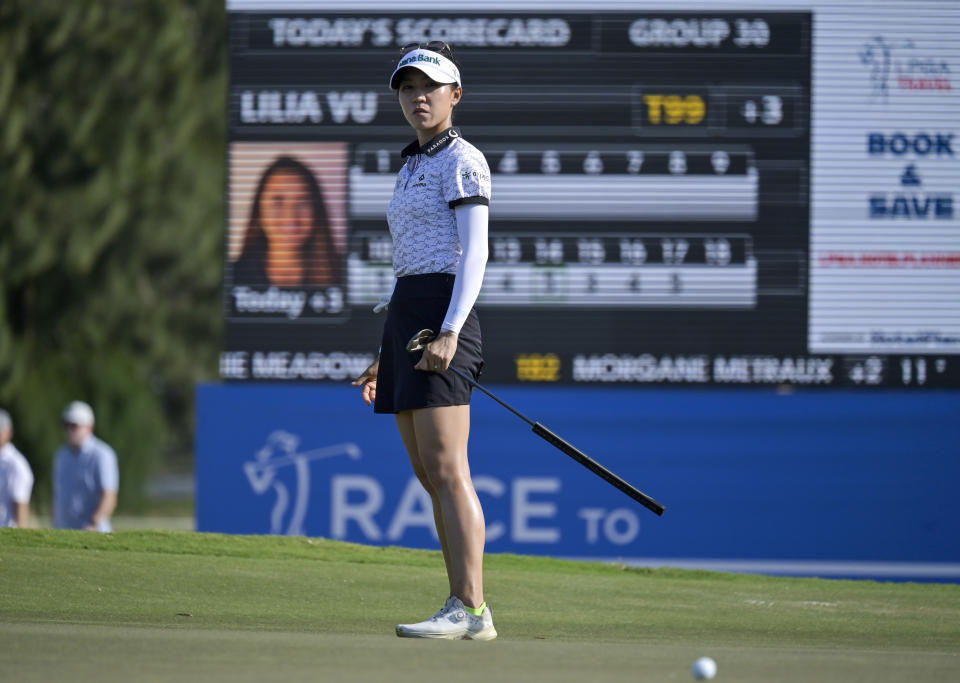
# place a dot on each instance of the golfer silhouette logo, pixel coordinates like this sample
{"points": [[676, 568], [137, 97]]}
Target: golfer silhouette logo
{"points": [[280, 451]]}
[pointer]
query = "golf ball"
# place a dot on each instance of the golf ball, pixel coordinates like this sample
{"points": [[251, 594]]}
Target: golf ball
{"points": [[704, 669]]}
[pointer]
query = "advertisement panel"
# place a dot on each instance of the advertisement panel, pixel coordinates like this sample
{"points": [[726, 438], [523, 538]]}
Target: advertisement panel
{"points": [[767, 482], [885, 237]]}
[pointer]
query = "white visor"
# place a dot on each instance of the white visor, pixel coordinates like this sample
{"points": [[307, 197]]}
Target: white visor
{"points": [[434, 64]]}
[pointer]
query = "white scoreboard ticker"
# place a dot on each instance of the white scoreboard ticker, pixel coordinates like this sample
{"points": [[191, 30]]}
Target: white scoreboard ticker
{"points": [[684, 193]]}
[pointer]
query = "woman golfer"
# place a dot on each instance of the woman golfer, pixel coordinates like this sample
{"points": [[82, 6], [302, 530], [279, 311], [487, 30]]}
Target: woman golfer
{"points": [[438, 221]]}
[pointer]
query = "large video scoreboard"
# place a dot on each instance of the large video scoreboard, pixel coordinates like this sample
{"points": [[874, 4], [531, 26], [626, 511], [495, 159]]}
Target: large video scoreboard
{"points": [[651, 210]]}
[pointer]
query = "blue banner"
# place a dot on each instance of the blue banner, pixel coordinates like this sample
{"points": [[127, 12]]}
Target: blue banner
{"points": [[838, 483]]}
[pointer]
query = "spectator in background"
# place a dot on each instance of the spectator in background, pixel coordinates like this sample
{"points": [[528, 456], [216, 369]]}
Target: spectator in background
{"points": [[289, 239], [16, 479], [85, 475]]}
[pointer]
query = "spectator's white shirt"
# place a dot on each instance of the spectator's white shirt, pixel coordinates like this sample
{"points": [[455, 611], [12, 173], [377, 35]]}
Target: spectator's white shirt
{"points": [[16, 483]]}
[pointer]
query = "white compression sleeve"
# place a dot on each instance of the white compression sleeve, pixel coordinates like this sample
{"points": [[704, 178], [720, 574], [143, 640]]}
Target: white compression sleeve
{"points": [[472, 228]]}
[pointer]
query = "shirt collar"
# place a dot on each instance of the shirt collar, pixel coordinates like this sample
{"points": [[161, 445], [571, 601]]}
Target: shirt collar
{"points": [[433, 145], [87, 446]]}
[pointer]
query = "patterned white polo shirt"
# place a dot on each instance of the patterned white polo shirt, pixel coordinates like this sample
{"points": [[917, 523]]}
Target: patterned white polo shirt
{"points": [[440, 175]]}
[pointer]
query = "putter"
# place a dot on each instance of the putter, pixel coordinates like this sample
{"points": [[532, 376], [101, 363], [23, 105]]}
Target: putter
{"points": [[424, 337]]}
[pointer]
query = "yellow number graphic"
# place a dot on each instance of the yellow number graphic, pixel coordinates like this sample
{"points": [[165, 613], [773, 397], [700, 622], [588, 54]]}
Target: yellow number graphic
{"points": [[675, 109]]}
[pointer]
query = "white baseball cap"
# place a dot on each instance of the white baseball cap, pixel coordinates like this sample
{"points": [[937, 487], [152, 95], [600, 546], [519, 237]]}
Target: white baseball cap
{"points": [[5, 421], [78, 413], [434, 64]]}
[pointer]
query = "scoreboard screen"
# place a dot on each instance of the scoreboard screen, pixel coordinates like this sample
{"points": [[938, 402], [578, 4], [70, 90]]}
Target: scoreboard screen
{"points": [[651, 213]]}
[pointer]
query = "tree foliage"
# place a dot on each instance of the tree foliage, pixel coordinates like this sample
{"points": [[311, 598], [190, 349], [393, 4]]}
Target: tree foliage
{"points": [[112, 137]]}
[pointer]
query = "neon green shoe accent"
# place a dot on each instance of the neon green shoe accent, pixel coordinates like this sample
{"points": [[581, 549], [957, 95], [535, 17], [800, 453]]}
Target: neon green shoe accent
{"points": [[476, 611]]}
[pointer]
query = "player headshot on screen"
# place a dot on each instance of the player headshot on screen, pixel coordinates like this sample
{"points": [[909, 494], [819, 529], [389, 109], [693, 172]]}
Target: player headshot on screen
{"points": [[288, 241]]}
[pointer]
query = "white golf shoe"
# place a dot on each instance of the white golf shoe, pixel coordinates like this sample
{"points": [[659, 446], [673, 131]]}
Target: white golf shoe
{"points": [[453, 622]]}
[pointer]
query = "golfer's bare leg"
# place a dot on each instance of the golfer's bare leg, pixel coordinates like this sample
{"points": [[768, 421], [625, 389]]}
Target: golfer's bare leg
{"points": [[405, 425], [441, 437]]}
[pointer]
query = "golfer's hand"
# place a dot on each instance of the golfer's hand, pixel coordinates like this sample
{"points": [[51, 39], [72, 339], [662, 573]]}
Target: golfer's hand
{"points": [[367, 381], [438, 354]]}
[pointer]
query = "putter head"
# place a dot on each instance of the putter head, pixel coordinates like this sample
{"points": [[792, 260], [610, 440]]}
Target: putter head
{"points": [[419, 340]]}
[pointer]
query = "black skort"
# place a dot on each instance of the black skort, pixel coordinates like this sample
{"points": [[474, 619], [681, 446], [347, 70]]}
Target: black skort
{"points": [[418, 302]]}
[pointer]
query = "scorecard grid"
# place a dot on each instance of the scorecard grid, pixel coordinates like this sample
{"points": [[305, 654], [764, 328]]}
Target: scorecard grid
{"points": [[651, 188]]}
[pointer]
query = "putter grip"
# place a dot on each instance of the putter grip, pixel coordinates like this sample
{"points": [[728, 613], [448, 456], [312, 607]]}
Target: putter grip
{"points": [[598, 469]]}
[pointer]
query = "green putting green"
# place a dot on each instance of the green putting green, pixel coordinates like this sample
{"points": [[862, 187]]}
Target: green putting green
{"points": [[155, 606]]}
